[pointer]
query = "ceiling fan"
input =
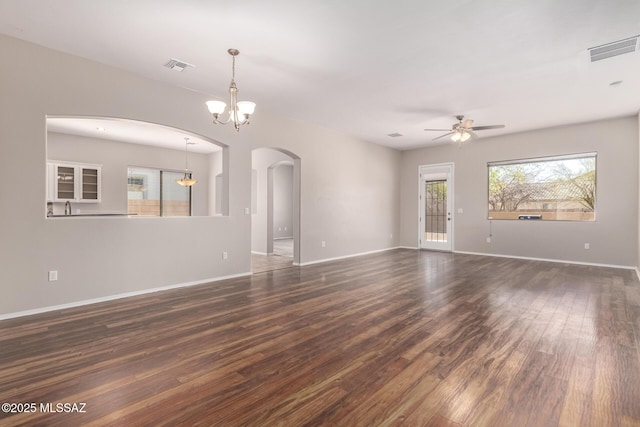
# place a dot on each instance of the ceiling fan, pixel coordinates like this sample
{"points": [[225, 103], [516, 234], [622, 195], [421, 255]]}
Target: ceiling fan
{"points": [[462, 131]]}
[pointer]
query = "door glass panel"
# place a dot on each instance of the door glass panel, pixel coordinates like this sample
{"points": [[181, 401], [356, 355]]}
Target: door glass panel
{"points": [[154, 192], [175, 197], [435, 224], [143, 192]]}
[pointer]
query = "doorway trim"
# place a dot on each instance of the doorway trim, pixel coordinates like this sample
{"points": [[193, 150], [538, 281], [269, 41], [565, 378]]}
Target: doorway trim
{"points": [[296, 161], [437, 171]]}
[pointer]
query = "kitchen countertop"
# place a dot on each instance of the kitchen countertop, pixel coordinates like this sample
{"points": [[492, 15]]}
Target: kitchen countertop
{"points": [[89, 214]]}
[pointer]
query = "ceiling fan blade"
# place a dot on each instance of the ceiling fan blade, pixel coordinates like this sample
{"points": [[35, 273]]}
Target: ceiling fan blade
{"points": [[439, 130], [488, 127], [467, 124], [442, 136]]}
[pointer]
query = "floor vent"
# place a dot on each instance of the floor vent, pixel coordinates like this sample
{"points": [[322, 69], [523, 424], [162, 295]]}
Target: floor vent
{"points": [[177, 65], [610, 50]]}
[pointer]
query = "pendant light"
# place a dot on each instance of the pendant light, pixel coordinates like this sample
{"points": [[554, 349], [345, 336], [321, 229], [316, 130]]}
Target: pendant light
{"points": [[186, 180]]}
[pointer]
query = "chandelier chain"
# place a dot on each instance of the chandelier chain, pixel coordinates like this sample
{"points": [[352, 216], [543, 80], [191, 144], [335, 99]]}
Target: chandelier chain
{"points": [[233, 68], [186, 154]]}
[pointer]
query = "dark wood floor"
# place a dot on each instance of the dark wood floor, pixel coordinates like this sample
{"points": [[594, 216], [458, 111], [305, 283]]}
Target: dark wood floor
{"points": [[401, 337]]}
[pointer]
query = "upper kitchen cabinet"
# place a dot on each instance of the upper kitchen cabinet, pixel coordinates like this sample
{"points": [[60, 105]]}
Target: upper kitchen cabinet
{"points": [[73, 182]]}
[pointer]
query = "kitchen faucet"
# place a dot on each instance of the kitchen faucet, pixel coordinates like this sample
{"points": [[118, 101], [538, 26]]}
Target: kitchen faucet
{"points": [[67, 208]]}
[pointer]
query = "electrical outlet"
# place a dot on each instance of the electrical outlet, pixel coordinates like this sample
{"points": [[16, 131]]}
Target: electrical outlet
{"points": [[488, 239], [586, 246], [247, 211], [53, 275], [225, 255], [460, 210], [285, 228], [323, 244]]}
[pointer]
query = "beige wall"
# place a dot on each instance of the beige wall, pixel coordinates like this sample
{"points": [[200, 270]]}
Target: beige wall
{"points": [[349, 190], [615, 141]]}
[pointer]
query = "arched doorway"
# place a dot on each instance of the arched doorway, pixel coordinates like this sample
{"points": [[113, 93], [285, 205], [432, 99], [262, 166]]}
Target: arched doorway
{"points": [[275, 221]]}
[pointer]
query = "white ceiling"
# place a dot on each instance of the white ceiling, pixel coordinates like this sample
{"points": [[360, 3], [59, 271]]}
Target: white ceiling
{"points": [[365, 67]]}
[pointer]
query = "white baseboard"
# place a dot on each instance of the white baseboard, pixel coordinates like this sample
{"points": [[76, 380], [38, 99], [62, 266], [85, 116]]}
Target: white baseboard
{"points": [[638, 273], [259, 253], [283, 238], [627, 267], [319, 261], [118, 296], [217, 279]]}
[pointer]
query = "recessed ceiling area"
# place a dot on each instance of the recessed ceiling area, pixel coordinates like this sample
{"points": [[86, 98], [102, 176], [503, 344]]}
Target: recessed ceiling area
{"points": [[362, 68], [131, 131]]}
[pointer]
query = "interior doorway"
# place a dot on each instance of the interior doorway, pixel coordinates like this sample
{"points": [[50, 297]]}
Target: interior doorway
{"points": [[436, 207], [275, 221]]}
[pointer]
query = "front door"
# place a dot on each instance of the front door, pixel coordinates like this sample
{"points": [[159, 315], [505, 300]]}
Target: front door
{"points": [[436, 203]]}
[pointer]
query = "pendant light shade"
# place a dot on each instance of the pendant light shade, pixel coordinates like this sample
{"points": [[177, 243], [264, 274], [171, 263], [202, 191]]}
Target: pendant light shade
{"points": [[186, 181]]}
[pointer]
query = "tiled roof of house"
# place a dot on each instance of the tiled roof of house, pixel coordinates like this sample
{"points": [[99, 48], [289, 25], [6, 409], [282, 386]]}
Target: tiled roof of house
{"points": [[554, 191]]}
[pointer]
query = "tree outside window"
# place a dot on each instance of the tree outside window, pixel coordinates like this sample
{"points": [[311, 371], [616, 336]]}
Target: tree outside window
{"points": [[560, 188]]}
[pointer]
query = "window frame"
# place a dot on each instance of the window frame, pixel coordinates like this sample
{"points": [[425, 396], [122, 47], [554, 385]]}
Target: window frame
{"points": [[545, 159], [160, 190]]}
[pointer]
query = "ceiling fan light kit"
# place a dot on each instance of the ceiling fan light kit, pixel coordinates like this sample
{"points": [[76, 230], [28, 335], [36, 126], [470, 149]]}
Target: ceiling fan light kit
{"points": [[463, 131], [460, 136], [239, 112]]}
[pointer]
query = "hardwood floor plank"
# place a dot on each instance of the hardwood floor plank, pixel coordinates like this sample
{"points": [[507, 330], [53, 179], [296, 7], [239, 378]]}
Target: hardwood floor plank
{"points": [[402, 337], [536, 398]]}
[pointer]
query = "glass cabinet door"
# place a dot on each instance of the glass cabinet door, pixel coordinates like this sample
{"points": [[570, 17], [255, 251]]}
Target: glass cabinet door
{"points": [[68, 182], [65, 180], [89, 183]]}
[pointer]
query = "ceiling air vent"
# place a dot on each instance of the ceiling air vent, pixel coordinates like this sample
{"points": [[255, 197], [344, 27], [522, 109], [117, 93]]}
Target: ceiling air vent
{"points": [[394, 135], [610, 50], [177, 65]]}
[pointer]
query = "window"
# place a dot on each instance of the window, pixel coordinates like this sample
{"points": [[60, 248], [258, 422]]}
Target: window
{"points": [[155, 192], [560, 188]]}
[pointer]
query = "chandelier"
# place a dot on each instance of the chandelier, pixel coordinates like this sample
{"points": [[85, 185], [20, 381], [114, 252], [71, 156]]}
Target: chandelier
{"points": [[186, 180], [238, 112]]}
